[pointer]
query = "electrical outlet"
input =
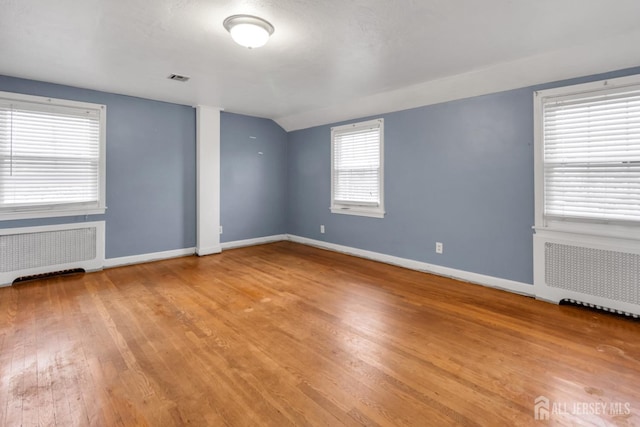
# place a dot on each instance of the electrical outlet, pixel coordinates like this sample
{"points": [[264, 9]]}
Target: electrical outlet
{"points": [[439, 248], [322, 229], [220, 229]]}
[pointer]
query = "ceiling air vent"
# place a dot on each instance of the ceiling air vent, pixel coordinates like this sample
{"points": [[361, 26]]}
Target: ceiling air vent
{"points": [[178, 77]]}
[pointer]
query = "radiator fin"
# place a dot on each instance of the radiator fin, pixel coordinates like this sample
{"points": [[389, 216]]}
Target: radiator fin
{"points": [[603, 273], [47, 248]]}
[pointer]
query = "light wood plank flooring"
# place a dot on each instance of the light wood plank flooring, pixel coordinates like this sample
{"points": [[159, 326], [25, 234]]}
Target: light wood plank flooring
{"points": [[285, 334]]}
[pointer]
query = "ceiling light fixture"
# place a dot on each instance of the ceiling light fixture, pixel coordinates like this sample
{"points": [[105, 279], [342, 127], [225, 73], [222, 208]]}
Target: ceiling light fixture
{"points": [[248, 31]]}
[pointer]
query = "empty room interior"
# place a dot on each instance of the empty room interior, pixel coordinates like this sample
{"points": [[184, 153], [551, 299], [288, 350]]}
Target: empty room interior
{"points": [[319, 213]]}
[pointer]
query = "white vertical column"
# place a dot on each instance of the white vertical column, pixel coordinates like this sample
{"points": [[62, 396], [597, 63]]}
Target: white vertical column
{"points": [[208, 179]]}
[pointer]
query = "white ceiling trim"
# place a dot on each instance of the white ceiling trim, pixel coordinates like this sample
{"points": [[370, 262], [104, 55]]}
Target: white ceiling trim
{"points": [[610, 54]]}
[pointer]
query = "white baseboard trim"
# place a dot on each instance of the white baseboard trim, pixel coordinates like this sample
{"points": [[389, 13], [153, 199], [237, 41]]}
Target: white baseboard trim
{"points": [[208, 250], [253, 242], [466, 276], [139, 259], [157, 256]]}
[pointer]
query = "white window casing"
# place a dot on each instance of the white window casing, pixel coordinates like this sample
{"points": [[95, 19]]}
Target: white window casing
{"points": [[587, 158], [357, 169], [52, 157]]}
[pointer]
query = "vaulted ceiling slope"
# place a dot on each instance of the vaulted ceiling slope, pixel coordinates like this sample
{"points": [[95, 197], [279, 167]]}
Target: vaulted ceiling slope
{"points": [[327, 61]]}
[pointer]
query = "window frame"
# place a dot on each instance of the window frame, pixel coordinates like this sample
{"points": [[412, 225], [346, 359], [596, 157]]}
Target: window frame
{"points": [[590, 226], [354, 208], [63, 209]]}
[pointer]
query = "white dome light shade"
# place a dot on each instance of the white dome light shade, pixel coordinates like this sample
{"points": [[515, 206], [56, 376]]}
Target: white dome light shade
{"points": [[249, 35], [248, 31]]}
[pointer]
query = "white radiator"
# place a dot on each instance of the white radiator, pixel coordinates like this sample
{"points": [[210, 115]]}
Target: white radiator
{"points": [[38, 250], [600, 272]]}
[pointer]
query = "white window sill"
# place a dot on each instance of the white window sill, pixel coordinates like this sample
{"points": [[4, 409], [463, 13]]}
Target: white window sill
{"points": [[595, 230], [359, 211], [15, 215]]}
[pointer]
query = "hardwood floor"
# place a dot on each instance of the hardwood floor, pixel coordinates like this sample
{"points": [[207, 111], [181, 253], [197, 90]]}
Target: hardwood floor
{"points": [[285, 334]]}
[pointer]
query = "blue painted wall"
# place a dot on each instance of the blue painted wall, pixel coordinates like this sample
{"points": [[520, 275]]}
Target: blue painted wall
{"points": [[459, 172], [151, 170], [253, 177]]}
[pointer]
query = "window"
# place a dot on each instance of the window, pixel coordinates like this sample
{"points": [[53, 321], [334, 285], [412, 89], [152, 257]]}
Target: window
{"points": [[52, 157], [588, 155], [357, 169]]}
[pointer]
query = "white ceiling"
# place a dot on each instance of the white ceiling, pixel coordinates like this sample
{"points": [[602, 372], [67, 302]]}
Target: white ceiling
{"points": [[328, 60]]}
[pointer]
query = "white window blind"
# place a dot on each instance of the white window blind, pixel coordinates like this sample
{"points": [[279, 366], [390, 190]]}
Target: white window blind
{"points": [[591, 155], [50, 156], [357, 166]]}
